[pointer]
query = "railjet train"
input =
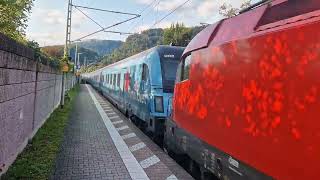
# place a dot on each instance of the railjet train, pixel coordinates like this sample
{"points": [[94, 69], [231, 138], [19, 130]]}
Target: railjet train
{"points": [[247, 96], [141, 86]]}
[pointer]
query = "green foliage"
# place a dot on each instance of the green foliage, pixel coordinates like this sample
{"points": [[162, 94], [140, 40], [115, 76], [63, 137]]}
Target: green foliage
{"points": [[226, 10], [57, 52], [90, 68], [43, 57], [14, 16], [134, 44], [38, 159], [178, 35], [102, 47]]}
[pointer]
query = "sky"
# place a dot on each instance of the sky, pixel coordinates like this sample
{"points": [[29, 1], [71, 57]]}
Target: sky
{"points": [[47, 23]]}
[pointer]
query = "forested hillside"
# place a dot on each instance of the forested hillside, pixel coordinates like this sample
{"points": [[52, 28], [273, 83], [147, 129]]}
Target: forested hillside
{"points": [[102, 47], [57, 52], [177, 34], [134, 44]]}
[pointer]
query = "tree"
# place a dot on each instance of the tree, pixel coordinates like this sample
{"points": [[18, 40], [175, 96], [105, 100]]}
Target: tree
{"points": [[228, 11], [14, 16], [135, 44], [178, 35]]}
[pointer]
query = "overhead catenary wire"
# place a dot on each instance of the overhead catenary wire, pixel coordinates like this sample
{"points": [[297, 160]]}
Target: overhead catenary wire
{"points": [[171, 12], [104, 29], [117, 32], [149, 5], [111, 11], [152, 5], [88, 17], [108, 27]]}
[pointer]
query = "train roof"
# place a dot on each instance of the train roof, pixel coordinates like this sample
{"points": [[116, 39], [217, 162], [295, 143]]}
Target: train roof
{"points": [[259, 18], [159, 48]]}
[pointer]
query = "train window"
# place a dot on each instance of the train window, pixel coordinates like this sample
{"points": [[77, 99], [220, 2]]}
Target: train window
{"points": [[186, 68], [114, 79], [145, 72], [111, 76], [179, 70], [132, 76], [276, 13], [118, 80]]}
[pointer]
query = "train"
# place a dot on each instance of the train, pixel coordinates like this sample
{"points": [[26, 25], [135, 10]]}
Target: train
{"points": [[244, 102], [247, 95], [141, 86]]}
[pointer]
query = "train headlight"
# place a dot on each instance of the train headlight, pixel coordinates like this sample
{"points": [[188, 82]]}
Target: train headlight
{"points": [[158, 104]]}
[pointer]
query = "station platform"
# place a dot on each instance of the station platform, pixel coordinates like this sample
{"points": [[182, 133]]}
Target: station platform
{"points": [[101, 143]]}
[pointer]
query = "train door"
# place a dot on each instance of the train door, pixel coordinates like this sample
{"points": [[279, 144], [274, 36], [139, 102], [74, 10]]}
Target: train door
{"points": [[101, 79], [145, 89], [118, 88], [122, 88], [126, 88]]}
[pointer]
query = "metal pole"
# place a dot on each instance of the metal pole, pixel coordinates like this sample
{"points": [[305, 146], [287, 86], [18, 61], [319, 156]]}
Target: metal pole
{"points": [[68, 29], [62, 93], [78, 62], [66, 50], [75, 57]]}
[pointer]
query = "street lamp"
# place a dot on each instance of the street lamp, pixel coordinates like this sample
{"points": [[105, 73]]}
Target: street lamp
{"points": [[76, 54], [78, 62]]}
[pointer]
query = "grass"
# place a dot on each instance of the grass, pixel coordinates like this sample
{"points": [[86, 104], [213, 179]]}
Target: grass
{"points": [[38, 158]]}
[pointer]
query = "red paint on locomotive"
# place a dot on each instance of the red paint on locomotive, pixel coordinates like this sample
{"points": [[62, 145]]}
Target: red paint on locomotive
{"points": [[256, 97]]}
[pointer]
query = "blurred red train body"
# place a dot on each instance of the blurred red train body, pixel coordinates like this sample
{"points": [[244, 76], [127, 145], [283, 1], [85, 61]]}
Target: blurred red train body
{"points": [[249, 86]]}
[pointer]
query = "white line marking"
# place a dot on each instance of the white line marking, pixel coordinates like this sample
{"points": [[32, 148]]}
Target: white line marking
{"points": [[136, 147], [172, 177], [131, 163], [111, 113], [114, 117], [122, 128], [105, 105], [117, 122], [149, 161], [127, 136]]}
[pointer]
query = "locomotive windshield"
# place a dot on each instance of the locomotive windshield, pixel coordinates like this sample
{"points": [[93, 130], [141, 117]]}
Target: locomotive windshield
{"points": [[169, 69], [170, 58]]}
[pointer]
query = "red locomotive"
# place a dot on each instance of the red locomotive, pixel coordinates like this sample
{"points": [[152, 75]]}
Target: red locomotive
{"points": [[247, 95]]}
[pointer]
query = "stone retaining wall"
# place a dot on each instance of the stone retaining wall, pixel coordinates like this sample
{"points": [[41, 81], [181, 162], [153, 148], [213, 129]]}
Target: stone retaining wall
{"points": [[29, 92]]}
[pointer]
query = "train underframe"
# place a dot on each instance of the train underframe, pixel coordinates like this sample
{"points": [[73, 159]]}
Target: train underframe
{"points": [[204, 161], [154, 127]]}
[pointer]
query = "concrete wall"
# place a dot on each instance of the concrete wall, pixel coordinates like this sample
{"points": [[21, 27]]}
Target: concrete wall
{"points": [[29, 92]]}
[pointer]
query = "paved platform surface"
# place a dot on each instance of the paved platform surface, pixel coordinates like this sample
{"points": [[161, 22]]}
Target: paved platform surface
{"points": [[100, 143]]}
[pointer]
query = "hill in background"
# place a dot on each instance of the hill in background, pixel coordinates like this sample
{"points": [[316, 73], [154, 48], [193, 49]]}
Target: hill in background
{"points": [[102, 47], [57, 52], [177, 34], [92, 50], [135, 44]]}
